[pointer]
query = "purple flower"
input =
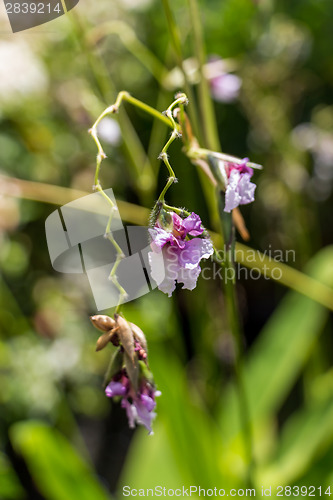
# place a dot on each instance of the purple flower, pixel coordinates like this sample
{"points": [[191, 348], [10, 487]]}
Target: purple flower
{"points": [[175, 257], [225, 87], [239, 191], [115, 389], [139, 405], [131, 379]]}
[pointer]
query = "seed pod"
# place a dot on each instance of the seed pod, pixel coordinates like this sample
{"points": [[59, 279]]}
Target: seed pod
{"points": [[125, 335], [103, 322], [103, 340]]}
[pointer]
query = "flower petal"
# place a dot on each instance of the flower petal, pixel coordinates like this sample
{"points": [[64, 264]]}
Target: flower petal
{"points": [[192, 225], [159, 238], [164, 268], [189, 277], [115, 389], [147, 402], [246, 189], [144, 408], [130, 411], [232, 197], [194, 251]]}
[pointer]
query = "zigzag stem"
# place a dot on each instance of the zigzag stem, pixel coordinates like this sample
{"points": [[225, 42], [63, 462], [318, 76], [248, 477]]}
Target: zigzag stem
{"points": [[98, 187], [181, 100]]}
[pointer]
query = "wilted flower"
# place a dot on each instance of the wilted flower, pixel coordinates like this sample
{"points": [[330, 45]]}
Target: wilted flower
{"points": [[239, 190], [129, 377], [175, 241]]}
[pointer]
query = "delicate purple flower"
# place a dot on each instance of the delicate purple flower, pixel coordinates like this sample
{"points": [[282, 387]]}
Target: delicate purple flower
{"points": [[131, 379], [139, 405], [225, 87], [192, 225], [144, 406], [239, 191], [130, 412], [115, 389], [176, 256]]}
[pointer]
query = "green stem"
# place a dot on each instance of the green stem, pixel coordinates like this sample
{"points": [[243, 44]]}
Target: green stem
{"points": [[157, 137], [108, 233], [114, 108], [179, 211], [244, 410], [132, 145], [204, 153], [227, 233], [125, 96], [135, 214], [129, 39], [206, 104], [288, 276], [176, 43], [179, 101], [170, 180]]}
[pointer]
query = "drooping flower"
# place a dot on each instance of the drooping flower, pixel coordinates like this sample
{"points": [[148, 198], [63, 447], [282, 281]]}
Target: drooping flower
{"points": [[177, 249], [139, 405], [129, 376], [239, 189]]}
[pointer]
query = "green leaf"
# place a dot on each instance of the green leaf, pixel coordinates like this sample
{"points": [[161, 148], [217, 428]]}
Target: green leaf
{"points": [[304, 436], [115, 366], [188, 440], [281, 351], [10, 488], [151, 461], [57, 469]]}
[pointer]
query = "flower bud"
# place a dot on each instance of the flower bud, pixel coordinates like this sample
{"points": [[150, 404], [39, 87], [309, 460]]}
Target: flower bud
{"points": [[103, 322], [103, 340]]}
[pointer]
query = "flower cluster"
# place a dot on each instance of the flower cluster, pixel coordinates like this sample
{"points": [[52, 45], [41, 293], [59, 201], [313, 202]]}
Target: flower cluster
{"points": [[139, 405], [239, 189], [129, 377], [178, 245]]}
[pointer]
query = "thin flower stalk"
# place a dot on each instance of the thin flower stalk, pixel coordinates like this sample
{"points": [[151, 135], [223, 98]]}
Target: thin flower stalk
{"points": [[108, 233]]}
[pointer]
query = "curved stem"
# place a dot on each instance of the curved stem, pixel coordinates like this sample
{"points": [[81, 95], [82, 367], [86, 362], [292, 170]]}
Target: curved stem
{"points": [[181, 100], [98, 187], [135, 214]]}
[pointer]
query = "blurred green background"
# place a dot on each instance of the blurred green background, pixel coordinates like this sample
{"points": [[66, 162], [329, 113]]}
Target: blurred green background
{"points": [[60, 437]]}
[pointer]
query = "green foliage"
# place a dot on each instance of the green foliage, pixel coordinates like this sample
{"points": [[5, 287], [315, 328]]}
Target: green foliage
{"points": [[57, 469], [49, 370], [10, 488]]}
